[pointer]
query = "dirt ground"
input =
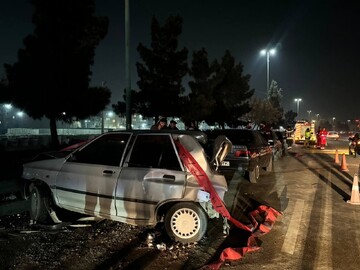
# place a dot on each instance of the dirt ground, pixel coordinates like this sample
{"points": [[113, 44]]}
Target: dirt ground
{"points": [[100, 244]]}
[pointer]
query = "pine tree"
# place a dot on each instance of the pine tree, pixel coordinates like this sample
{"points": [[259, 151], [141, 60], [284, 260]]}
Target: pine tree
{"points": [[161, 71], [51, 77]]}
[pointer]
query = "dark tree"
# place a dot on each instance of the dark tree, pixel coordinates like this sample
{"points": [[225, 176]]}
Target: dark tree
{"points": [[289, 118], [275, 98], [231, 91], [120, 107], [162, 70], [51, 77], [262, 110], [200, 103], [5, 94]]}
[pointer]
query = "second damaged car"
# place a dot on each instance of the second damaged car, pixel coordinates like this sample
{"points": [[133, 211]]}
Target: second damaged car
{"points": [[250, 152], [135, 177]]}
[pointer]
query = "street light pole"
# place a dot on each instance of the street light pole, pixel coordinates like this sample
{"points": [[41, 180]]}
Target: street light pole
{"points": [[127, 64], [297, 100], [267, 53], [309, 112]]}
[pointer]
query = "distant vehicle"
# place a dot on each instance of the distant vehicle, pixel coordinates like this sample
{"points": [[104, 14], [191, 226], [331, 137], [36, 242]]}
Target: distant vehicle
{"points": [[332, 135], [299, 132], [250, 152], [135, 177]]}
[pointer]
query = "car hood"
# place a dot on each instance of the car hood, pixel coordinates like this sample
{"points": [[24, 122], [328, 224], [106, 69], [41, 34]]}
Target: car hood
{"points": [[42, 169]]}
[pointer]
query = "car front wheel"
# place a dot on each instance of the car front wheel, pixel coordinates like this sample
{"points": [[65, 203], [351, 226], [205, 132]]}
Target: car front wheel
{"points": [[186, 222], [39, 202]]}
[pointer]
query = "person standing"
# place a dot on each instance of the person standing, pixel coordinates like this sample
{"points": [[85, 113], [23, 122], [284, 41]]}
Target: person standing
{"points": [[172, 125], [353, 144], [307, 138], [161, 124], [318, 144], [323, 134], [191, 125]]}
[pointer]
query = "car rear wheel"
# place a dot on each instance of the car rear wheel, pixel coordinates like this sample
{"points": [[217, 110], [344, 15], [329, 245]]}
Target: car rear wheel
{"points": [[39, 203], [269, 167], [186, 222], [254, 174]]}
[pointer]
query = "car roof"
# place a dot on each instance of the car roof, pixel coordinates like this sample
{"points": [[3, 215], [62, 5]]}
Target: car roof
{"points": [[237, 136], [199, 135]]}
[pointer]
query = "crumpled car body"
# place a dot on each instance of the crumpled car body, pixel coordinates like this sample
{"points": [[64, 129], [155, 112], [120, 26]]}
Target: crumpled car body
{"points": [[135, 177]]}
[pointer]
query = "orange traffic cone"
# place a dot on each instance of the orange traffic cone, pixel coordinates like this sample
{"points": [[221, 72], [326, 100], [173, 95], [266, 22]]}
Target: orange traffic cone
{"points": [[337, 161], [355, 199], [343, 164]]}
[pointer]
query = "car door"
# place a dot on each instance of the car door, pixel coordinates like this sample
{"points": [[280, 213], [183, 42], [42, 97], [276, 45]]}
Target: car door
{"points": [[263, 149], [152, 173], [86, 183]]}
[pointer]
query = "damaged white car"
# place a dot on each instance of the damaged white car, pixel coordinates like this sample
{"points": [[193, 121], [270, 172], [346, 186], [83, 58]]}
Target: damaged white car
{"points": [[135, 177]]}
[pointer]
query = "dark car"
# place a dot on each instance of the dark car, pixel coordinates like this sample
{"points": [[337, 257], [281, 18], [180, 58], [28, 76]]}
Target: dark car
{"points": [[277, 142], [250, 152], [286, 142]]}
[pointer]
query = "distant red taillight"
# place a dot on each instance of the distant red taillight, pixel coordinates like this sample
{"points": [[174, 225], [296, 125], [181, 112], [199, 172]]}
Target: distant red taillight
{"points": [[241, 153]]}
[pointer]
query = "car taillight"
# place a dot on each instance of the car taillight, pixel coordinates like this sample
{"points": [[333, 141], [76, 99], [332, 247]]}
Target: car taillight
{"points": [[240, 151]]}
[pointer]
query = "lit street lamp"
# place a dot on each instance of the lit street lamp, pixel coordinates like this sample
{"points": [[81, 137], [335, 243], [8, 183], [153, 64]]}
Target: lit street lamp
{"points": [[267, 53], [297, 100], [333, 123]]}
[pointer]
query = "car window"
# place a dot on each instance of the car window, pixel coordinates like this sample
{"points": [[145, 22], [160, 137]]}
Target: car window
{"points": [[154, 151], [260, 139], [106, 150]]}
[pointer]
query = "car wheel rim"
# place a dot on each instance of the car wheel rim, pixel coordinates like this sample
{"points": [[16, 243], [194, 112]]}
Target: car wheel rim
{"points": [[185, 223]]}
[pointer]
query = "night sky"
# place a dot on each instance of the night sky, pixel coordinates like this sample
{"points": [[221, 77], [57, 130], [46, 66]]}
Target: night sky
{"points": [[317, 45]]}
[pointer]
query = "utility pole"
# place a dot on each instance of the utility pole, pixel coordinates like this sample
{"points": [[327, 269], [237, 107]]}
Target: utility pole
{"points": [[127, 65]]}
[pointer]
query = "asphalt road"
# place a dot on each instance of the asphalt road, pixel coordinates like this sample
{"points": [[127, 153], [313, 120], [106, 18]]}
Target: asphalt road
{"points": [[319, 229]]}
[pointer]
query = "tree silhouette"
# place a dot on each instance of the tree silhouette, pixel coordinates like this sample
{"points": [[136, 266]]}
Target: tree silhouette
{"points": [[275, 98], [289, 118], [162, 70], [231, 91], [262, 110], [51, 77], [200, 103], [5, 94]]}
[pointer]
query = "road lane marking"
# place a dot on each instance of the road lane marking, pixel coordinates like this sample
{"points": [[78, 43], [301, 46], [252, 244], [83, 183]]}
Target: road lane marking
{"points": [[293, 229], [324, 258]]}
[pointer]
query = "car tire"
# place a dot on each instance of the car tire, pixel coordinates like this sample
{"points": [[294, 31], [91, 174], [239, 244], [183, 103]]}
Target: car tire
{"points": [[254, 174], [269, 167], [186, 222], [39, 203]]}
